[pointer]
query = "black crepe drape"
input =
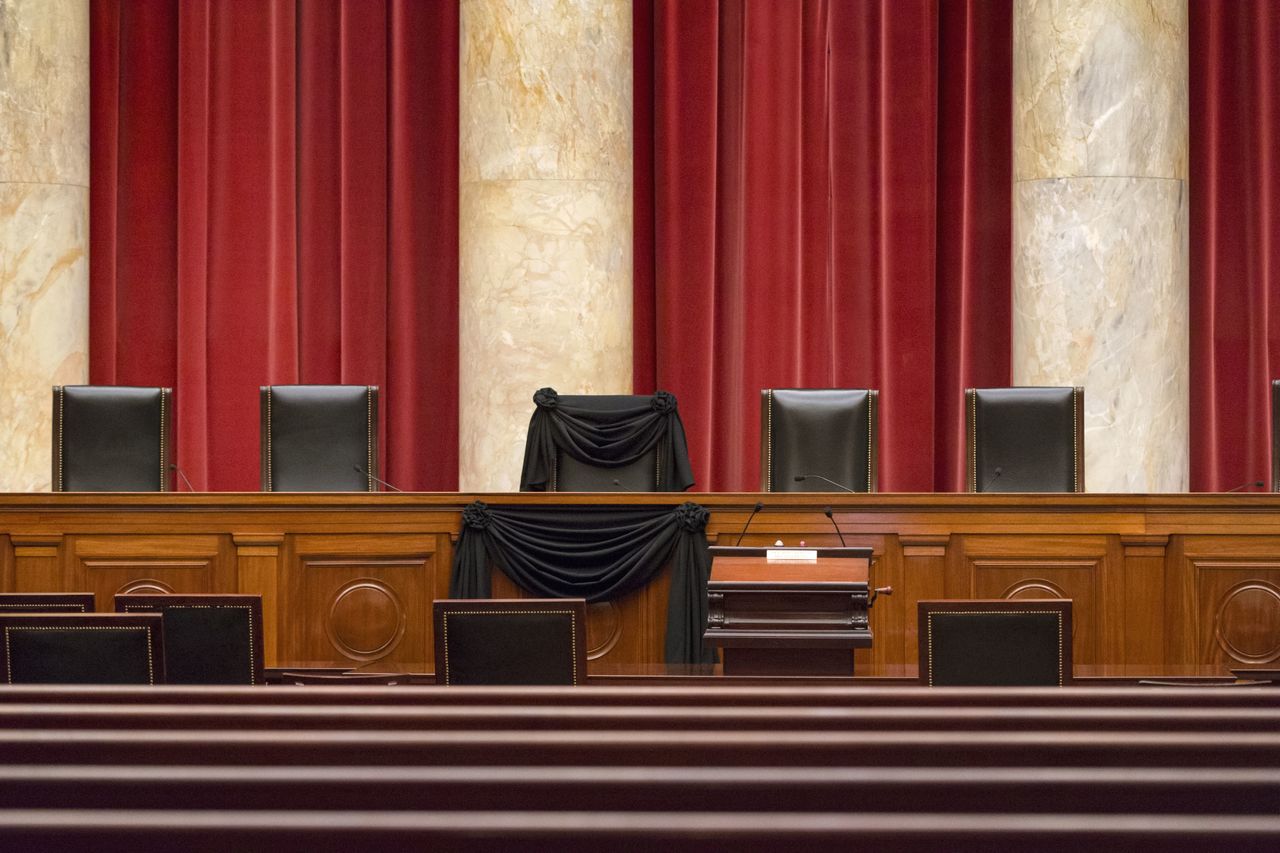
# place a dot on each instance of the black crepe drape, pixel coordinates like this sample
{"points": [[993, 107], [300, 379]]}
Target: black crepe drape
{"points": [[596, 553], [605, 438]]}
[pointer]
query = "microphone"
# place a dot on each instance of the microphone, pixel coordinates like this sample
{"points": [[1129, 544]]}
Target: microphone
{"points": [[376, 479], [619, 484], [800, 478], [1256, 484], [995, 475], [826, 510], [173, 467], [759, 506]]}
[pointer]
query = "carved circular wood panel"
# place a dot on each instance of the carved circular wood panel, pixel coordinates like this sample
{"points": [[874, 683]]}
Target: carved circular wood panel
{"points": [[1036, 588], [366, 620], [145, 586], [604, 627], [1247, 624]]}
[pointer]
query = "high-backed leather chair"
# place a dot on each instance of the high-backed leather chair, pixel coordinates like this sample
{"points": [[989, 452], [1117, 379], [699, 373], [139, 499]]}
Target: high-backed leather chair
{"points": [[999, 642], [319, 438], [826, 435], [109, 438], [46, 602], [1025, 439], [1275, 435], [209, 639], [511, 641], [92, 648]]}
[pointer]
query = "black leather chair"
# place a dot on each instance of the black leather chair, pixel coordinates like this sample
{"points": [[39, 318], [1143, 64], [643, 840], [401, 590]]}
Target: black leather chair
{"points": [[209, 639], [46, 602], [1025, 439], [1275, 435], [999, 642], [511, 641], [828, 434], [93, 648], [315, 437], [112, 439]]}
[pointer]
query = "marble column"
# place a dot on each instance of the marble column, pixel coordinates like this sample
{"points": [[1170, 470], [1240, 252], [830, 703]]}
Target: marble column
{"points": [[1100, 227], [44, 224], [545, 217]]}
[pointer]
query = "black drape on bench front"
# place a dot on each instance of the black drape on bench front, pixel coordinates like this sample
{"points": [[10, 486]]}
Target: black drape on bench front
{"points": [[596, 553]]}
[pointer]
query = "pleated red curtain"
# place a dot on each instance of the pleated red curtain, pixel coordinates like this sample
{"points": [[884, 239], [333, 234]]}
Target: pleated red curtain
{"points": [[823, 196], [1234, 238], [274, 200]]}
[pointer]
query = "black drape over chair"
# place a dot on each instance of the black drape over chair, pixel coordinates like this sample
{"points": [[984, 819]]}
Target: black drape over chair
{"points": [[511, 641], [109, 438], [582, 443], [319, 438], [595, 553], [209, 639], [999, 642], [827, 432], [73, 648], [1025, 439]]}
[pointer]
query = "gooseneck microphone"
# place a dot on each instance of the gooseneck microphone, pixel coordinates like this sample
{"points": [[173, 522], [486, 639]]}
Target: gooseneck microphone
{"points": [[174, 467], [376, 478], [1256, 484], [800, 478], [759, 506], [990, 481], [621, 485], [826, 510]]}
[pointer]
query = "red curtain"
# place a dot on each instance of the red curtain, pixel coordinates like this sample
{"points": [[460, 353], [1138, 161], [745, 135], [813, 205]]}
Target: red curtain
{"points": [[274, 200], [823, 196], [1234, 238]]}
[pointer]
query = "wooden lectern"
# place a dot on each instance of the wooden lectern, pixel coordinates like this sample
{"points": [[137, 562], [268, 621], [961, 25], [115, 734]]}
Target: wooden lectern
{"points": [[788, 611]]}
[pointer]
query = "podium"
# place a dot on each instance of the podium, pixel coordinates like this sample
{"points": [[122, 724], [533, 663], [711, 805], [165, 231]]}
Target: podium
{"points": [[788, 611]]}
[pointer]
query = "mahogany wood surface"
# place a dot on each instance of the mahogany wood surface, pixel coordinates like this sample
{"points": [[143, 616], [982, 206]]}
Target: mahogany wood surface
{"points": [[347, 580]]}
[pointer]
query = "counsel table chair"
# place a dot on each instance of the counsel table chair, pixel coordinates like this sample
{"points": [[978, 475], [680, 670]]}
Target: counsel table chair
{"points": [[95, 648], [511, 641], [828, 432], [46, 602], [319, 438], [999, 642], [112, 439], [209, 639], [1025, 439]]}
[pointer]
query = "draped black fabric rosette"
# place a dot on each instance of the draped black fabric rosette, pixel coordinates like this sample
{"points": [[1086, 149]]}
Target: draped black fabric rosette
{"points": [[596, 553], [606, 432]]}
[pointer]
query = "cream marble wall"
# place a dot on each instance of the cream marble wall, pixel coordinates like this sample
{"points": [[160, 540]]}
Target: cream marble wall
{"points": [[44, 224], [545, 217], [1100, 227]]}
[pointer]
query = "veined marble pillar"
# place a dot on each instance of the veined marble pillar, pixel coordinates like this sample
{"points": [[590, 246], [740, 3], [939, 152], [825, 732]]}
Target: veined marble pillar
{"points": [[545, 217], [1100, 227], [44, 224]]}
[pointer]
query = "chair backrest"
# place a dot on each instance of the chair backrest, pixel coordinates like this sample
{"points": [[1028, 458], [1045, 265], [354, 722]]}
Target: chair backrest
{"points": [[46, 602], [998, 642], [511, 641], [1275, 435], [572, 475], [112, 439], [209, 639], [315, 437], [830, 432], [1025, 439], [74, 648]]}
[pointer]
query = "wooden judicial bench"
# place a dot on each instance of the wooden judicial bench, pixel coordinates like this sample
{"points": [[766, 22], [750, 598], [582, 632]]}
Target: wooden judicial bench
{"points": [[347, 580]]}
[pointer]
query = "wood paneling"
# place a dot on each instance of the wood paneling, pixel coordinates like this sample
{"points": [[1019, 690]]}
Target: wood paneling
{"points": [[347, 579]]}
